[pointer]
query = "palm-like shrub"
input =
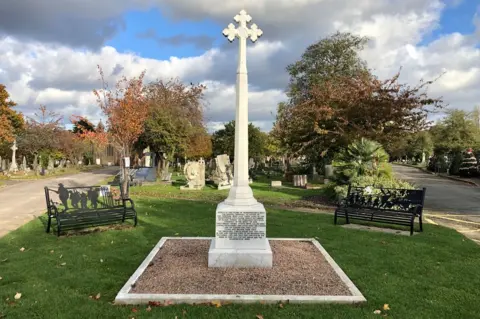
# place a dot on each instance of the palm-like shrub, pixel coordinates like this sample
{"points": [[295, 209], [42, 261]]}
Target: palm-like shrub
{"points": [[361, 158]]}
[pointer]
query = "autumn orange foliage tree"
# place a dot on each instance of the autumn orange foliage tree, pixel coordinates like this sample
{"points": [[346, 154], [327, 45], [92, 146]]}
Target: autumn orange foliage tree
{"points": [[11, 122], [86, 133], [343, 109], [126, 108]]}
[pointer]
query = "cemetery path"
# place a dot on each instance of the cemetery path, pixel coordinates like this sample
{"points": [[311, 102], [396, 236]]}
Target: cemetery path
{"points": [[448, 203], [23, 200], [443, 195]]}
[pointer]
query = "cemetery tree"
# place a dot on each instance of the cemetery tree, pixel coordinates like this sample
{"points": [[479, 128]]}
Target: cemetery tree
{"points": [[126, 109], [223, 141], [454, 133], [94, 139], [81, 125], [175, 121], [199, 145], [41, 133], [11, 121], [334, 100], [336, 55], [344, 109]]}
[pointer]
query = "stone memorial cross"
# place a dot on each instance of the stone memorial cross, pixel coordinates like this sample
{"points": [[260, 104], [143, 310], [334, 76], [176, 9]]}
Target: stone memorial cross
{"points": [[13, 166], [240, 229]]}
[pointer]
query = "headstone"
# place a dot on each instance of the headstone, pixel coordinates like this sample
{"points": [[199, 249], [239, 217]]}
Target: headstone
{"points": [[24, 164], [221, 172], [328, 173], [98, 161], [148, 158], [195, 175], [299, 180], [166, 176], [276, 184], [240, 229], [50, 165], [251, 163], [13, 166]]}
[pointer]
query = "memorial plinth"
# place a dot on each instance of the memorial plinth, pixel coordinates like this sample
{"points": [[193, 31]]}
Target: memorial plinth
{"points": [[240, 230]]}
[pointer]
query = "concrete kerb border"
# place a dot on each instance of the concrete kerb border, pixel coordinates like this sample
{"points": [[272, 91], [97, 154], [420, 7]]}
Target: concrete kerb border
{"points": [[125, 298]]}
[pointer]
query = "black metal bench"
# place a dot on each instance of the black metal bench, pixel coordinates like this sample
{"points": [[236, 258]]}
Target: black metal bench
{"points": [[81, 207], [383, 205]]}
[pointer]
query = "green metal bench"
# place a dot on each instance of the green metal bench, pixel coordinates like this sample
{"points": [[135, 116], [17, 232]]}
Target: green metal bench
{"points": [[81, 207]]}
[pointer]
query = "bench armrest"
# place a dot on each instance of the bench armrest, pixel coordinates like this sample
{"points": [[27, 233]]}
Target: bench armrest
{"points": [[52, 209], [125, 200]]}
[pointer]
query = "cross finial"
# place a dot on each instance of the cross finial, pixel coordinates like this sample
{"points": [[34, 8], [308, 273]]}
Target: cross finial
{"points": [[243, 18]]}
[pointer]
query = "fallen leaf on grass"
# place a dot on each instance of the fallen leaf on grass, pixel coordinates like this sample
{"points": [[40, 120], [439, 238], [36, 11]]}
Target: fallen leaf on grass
{"points": [[4, 260], [101, 260], [377, 312], [52, 251], [259, 317], [148, 308], [134, 310], [22, 249], [280, 305], [98, 296], [386, 307], [1, 278], [63, 264], [60, 256], [18, 296], [216, 303]]}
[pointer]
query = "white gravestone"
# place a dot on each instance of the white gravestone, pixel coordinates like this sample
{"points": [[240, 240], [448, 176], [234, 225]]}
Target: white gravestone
{"points": [[13, 165], [276, 184], [240, 230], [299, 180], [195, 175]]}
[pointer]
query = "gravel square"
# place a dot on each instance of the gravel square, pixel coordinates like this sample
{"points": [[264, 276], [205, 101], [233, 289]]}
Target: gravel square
{"points": [[176, 271]]}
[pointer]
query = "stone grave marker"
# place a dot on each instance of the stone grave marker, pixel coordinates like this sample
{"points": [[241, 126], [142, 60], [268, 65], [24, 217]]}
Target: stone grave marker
{"points": [[299, 180], [276, 184]]}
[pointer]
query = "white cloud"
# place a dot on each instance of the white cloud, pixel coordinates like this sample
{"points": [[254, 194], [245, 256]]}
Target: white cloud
{"points": [[62, 77]]}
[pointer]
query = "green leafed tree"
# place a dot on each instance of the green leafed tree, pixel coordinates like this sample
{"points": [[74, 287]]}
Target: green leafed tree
{"points": [[223, 141]]}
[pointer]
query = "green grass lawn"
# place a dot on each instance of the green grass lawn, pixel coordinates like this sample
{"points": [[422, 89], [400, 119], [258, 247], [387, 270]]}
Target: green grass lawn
{"points": [[284, 195], [435, 274]]}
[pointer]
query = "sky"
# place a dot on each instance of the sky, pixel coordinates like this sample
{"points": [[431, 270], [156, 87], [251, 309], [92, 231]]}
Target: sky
{"points": [[50, 49]]}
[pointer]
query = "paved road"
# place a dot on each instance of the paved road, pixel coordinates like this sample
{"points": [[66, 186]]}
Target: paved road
{"points": [[443, 195], [21, 201]]}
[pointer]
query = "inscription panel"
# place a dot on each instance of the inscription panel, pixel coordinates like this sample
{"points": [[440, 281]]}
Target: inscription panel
{"points": [[241, 225]]}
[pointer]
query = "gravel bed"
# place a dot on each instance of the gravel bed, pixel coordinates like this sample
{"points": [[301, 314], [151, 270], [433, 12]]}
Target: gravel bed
{"points": [[181, 267]]}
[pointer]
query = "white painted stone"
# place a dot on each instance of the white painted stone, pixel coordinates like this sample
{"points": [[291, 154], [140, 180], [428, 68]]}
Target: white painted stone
{"points": [[240, 230], [13, 166], [299, 180], [124, 296], [276, 184], [98, 161]]}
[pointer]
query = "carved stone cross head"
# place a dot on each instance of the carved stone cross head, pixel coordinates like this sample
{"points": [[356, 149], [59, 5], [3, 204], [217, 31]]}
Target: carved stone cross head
{"points": [[243, 32], [14, 147]]}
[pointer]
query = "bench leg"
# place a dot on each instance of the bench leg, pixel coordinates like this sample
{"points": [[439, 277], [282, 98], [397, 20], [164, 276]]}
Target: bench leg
{"points": [[347, 219], [411, 226], [49, 223], [420, 222], [335, 218]]}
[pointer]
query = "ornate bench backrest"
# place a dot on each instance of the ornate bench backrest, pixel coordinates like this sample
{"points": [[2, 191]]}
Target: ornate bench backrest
{"points": [[82, 198], [385, 198]]}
